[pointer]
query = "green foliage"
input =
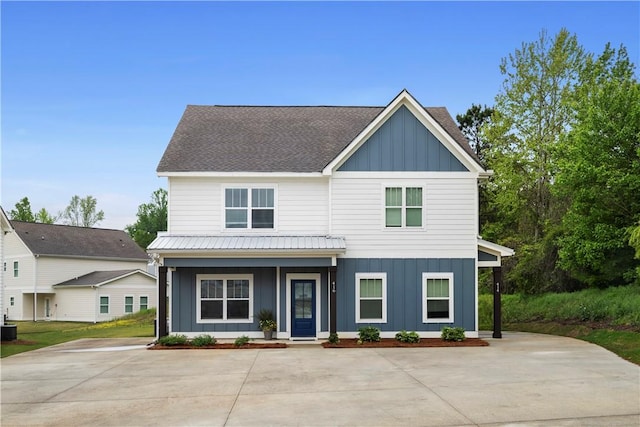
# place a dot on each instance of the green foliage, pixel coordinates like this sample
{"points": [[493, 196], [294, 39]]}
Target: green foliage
{"points": [[333, 338], [22, 211], [369, 334], [452, 334], [81, 212], [408, 337], [471, 123], [242, 340], [266, 320], [203, 340], [152, 218], [599, 172], [616, 306], [172, 340]]}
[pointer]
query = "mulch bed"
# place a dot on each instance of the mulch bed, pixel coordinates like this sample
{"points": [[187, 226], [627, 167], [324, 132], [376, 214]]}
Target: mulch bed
{"points": [[392, 342], [220, 346]]}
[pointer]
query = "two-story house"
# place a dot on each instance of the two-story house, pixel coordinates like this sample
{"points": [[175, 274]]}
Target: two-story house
{"points": [[334, 218], [60, 272]]}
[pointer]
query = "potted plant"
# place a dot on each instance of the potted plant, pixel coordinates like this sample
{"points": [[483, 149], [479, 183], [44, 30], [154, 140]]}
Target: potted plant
{"points": [[267, 323]]}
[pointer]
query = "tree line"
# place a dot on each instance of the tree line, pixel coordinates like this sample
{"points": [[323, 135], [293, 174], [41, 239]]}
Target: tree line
{"points": [[563, 139]]}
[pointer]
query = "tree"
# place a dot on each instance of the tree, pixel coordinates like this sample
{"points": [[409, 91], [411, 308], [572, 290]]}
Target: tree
{"points": [[82, 212], [471, 123], [152, 217], [22, 212], [531, 114], [43, 216], [599, 173]]}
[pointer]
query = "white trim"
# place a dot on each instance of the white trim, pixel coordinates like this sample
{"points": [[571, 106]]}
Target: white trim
{"points": [[133, 304], [403, 185], [404, 175], [404, 98], [140, 302], [270, 175], [100, 313], [249, 187], [225, 299], [318, 317], [278, 298], [382, 276], [448, 276]]}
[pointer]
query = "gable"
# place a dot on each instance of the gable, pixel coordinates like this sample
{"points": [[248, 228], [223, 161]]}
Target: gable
{"points": [[402, 144]]}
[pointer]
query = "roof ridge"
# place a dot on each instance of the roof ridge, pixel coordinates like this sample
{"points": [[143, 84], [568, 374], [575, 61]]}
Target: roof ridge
{"points": [[66, 225], [283, 106]]}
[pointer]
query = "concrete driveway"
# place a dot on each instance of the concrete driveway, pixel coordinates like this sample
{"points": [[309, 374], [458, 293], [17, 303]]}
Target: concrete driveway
{"points": [[523, 379]]}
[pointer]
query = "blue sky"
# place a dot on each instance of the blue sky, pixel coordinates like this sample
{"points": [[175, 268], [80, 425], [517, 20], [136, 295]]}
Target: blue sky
{"points": [[92, 91]]}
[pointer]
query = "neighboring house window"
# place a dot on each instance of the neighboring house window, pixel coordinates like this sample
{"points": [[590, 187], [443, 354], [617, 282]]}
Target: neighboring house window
{"points": [[15, 268], [437, 297], [144, 303], [225, 298], [4, 266], [128, 304], [371, 297], [12, 301], [403, 206], [249, 208], [104, 305]]}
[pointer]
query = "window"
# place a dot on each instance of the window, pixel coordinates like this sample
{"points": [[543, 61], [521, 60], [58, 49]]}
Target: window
{"points": [[437, 297], [371, 297], [104, 305], [128, 304], [144, 303], [250, 208], [403, 207], [15, 268], [12, 301], [4, 266], [225, 298]]}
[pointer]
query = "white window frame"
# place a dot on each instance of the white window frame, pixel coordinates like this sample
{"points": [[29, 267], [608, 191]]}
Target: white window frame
{"points": [[133, 302], [403, 208], [12, 301], [382, 276], [448, 276], [140, 302], [16, 269], [100, 304], [249, 208], [224, 278]]}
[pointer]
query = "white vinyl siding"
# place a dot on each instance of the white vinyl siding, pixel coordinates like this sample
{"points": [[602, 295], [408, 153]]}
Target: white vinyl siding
{"points": [[57, 270], [371, 297], [196, 205], [450, 216], [437, 297]]}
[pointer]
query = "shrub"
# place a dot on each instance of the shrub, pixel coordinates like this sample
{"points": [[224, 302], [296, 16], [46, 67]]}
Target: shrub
{"points": [[203, 340], [369, 333], [240, 341], [170, 340], [408, 337], [452, 334], [333, 338]]}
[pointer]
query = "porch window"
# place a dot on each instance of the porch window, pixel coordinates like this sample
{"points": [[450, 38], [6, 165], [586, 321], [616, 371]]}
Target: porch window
{"points": [[128, 304], [437, 297], [403, 207], [144, 302], [224, 298], [250, 208], [371, 297], [104, 305], [15, 268]]}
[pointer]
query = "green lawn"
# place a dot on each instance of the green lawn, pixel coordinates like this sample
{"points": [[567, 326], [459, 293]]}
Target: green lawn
{"points": [[34, 335]]}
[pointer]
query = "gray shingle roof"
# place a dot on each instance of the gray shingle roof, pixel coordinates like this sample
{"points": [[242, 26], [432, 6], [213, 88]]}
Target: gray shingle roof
{"points": [[96, 278], [272, 139], [249, 243], [65, 240]]}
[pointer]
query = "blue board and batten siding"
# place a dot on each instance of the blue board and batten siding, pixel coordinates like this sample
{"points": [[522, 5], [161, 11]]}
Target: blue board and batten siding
{"points": [[402, 144], [404, 292]]}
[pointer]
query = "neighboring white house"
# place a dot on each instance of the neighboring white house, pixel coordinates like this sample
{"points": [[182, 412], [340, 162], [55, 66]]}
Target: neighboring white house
{"points": [[60, 272], [333, 218], [5, 228]]}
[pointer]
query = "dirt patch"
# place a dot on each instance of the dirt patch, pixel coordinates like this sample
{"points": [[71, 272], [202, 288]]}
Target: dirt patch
{"points": [[221, 346], [392, 342], [18, 342]]}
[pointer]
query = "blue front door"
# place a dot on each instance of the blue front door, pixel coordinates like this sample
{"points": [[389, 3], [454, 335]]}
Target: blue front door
{"points": [[303, 308]]}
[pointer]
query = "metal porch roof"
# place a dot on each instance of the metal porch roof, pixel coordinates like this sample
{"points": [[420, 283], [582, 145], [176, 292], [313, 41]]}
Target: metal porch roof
{"points": [[248, 243]]}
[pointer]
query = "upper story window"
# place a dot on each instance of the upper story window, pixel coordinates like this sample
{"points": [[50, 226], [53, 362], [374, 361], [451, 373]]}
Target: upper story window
{"points": [[403, 207], [249, 208], [15, 268]]}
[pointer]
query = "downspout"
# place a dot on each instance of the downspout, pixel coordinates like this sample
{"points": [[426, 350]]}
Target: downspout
{"points": [[35, 289], [96, 306]]}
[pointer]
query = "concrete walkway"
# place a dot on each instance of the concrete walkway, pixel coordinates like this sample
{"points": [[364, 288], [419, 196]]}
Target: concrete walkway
{"points": [[523, 379]]}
